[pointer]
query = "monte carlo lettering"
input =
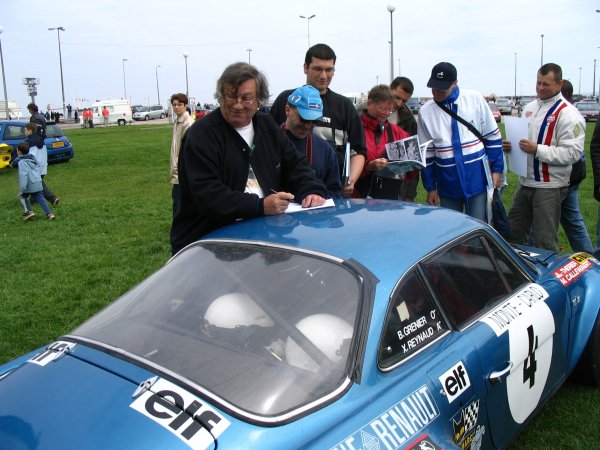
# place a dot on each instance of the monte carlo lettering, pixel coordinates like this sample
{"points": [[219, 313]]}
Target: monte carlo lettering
{"points": [[500, 318], [396, 426], [183, 414]]}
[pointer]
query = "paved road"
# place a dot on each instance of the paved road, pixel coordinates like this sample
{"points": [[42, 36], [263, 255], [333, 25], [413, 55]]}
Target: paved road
{"points": [[69, 125]]}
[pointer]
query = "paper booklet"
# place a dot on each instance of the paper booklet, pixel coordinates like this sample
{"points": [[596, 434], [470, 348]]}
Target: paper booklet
{"points": [[404, 155]]}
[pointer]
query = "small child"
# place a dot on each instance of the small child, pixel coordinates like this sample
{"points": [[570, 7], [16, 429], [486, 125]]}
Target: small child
{"points": [[37, 148], [30, 182]]}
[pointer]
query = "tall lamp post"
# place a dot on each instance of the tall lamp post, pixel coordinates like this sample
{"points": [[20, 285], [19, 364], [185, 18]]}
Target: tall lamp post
{"points": [[4, 78], [391, 9], [249, 50], [593, 81], [515, 77], [62, 84], [157, 89], [542, 56], [308, 26], [580, 81], [187, 90], [124, 83]]}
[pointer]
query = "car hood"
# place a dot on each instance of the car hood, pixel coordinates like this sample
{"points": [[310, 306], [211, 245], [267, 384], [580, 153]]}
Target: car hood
{"points": [[72, 396]]}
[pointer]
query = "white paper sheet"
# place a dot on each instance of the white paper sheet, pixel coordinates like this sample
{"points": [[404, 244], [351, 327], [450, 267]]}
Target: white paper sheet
{"points": [[516, 129], [295, 207]]}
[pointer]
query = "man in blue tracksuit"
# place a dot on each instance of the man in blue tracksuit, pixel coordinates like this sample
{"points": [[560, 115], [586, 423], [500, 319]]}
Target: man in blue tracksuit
{"points": [[457, 160]]}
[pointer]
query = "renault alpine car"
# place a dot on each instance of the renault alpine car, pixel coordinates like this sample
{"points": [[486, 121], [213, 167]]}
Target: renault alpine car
{"points": [[369, 325]]}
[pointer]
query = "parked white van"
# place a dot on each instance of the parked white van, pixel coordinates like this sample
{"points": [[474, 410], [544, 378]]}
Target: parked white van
{"points": [[120, 112]]}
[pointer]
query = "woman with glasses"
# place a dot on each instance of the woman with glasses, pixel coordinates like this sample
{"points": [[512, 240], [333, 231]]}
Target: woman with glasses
{"points": [[375, 181]]}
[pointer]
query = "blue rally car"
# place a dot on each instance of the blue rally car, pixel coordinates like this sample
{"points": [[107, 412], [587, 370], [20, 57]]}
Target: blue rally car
{"points": [[370, 325], [58, 145]]}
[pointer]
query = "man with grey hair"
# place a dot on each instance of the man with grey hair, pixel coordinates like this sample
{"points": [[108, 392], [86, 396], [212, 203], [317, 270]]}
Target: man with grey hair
{"points": [[236, 163]]}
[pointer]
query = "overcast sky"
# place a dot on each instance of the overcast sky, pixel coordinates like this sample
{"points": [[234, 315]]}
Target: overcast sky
{"points": [[479, 37]]}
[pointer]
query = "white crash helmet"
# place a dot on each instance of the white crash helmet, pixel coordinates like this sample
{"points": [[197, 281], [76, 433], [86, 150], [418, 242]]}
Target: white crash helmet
{"points": [[236, 309], [327, 332]]}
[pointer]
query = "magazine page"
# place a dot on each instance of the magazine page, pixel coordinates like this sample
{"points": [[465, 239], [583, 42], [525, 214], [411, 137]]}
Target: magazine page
{"points": [[404, 155]]}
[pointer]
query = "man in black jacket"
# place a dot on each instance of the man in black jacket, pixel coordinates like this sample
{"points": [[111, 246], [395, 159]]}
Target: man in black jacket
{"points": [[236, 163]]}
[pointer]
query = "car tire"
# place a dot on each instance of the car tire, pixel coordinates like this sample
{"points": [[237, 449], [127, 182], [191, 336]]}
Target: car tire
{"points": [[121, 122], [588, 368], [162, 116], [147, 118]]}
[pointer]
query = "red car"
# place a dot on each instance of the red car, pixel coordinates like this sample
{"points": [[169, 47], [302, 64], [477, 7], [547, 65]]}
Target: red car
{"points": [[495, 112], [201, 113]]}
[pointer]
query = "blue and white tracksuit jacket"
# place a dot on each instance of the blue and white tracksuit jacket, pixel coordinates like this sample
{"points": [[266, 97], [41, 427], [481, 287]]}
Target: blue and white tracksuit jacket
{"points": [[559, 130], [456, 157]]}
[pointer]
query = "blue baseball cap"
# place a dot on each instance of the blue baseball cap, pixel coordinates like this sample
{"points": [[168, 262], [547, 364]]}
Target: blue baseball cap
{"points": [[308, 101]]}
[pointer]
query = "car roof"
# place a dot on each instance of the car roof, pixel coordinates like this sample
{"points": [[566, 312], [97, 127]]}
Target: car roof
{"points": [[377, 233]]}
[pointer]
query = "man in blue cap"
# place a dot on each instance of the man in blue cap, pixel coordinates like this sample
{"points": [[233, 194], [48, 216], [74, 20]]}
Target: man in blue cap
{"points": [[303, 110]]}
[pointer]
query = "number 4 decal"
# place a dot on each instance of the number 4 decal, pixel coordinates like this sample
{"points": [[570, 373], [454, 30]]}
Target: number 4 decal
{"points": [[530, 365]]}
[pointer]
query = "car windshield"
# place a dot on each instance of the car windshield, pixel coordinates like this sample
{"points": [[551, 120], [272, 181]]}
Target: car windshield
{"points": [[54, 130], [268, 330], [493, 107], [588, 106], [503, 102], [142, 109]]}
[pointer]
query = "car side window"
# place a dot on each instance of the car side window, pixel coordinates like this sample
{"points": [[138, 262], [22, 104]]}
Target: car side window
{"points": [[471, 276], [15, 132], [412, 321]]}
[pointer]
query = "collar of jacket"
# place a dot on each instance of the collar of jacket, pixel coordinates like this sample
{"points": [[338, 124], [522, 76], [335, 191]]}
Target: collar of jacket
{"points": [[552, 99], [452, 97], [370, 123]]}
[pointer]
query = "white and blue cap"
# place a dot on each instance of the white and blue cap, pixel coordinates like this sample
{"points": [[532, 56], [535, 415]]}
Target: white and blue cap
{"points": [[308, 101]]}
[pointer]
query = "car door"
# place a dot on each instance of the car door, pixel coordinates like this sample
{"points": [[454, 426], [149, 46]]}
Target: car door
{"points": [[517, 326]]}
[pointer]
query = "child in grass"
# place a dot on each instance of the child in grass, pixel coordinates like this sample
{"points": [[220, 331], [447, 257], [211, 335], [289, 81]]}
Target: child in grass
{"points": [[30, 182], [37, 148]]}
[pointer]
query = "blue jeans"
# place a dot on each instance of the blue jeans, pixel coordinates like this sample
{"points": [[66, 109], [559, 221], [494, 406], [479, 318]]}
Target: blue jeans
{"points": [[36, 197], [474, 206], [597, 249], [572, 222]]}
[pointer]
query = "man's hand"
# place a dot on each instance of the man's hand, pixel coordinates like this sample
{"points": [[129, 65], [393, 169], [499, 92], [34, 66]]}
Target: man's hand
{"points": [[433, 198], [528, 146], [277, 203], [496, 179], [312, 200], [377, 164], [506, 146], [348, 189]]}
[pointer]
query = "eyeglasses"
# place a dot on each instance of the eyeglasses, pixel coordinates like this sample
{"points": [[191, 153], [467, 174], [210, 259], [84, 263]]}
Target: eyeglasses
{"points": [[246, 101], [384, 110], [327, 70]]}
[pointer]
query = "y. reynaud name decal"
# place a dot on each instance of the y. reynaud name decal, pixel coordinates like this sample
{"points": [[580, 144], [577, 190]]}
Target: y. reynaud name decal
{"points": [[395, 427]]}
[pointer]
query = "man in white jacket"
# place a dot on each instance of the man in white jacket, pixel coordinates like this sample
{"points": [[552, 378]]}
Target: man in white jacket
{"points": [[555, 141]]}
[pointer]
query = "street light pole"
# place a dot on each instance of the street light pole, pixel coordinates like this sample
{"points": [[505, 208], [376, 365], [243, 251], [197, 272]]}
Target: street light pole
{"points": [[515, 77], [62, 84], [391, 9], [157, 89], [187, 90], [249, 50], [593, 81], [580, 81], [124, 83], [308, 26], [399, 71], [542, 57], [4, 78]]}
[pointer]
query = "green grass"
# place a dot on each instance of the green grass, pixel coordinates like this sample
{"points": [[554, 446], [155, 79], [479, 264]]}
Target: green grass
{"points": [[112, 231]]}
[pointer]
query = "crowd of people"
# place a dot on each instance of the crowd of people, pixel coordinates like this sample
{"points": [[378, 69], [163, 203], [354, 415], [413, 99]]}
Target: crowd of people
{"points": [[234, 164], [241, 161]]}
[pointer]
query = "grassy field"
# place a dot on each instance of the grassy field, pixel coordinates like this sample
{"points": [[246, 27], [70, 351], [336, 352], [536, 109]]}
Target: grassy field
{"points": [[112, 230]]}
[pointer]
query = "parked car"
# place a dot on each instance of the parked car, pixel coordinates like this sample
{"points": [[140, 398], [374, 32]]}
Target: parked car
{"points": [[414, 104], [150, 112], [120, 112], [200, 113], [505, 105], [59, 146], [589, 110], [495, 112], [293, 331]]}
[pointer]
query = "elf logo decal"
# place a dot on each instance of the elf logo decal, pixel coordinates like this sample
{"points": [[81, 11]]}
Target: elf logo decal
{"points": [[396, 426], [455, 381], [183, 414], [53, 352]]}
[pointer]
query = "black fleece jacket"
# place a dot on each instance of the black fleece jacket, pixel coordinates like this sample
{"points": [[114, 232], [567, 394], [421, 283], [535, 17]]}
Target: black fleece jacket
{"points": [[213, 170]]}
